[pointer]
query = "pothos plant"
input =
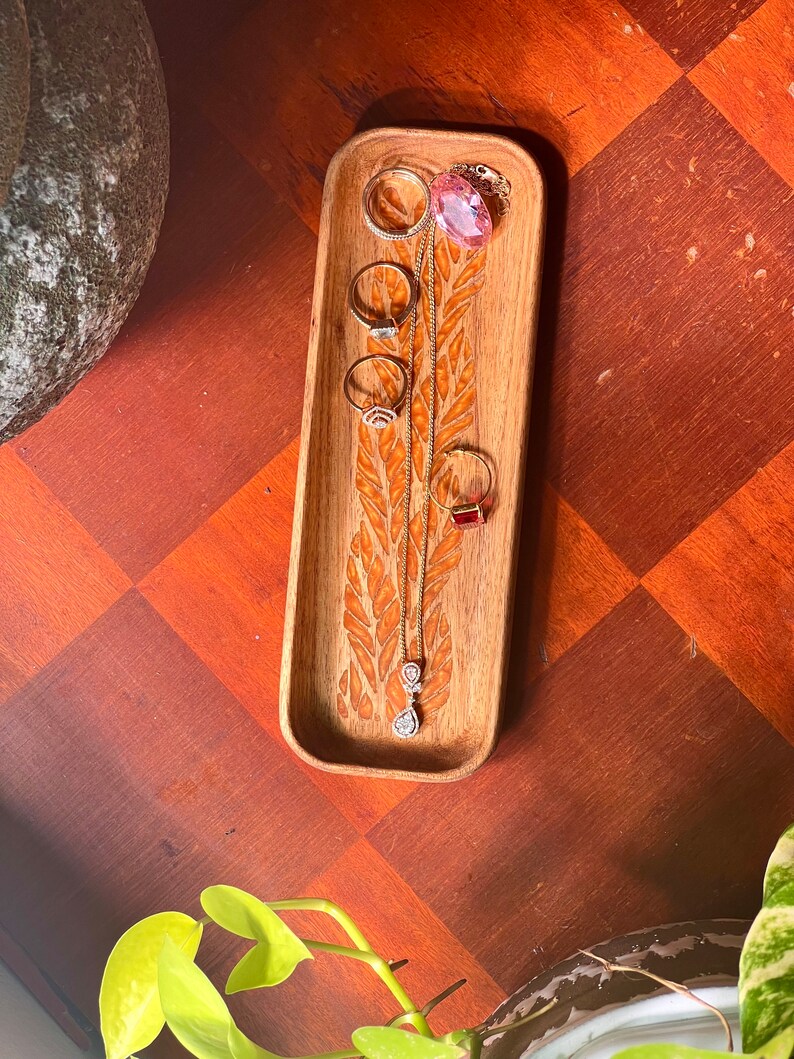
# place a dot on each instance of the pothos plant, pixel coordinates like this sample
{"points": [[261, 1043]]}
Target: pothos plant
{"points": [[766, 975], [152, 980]]}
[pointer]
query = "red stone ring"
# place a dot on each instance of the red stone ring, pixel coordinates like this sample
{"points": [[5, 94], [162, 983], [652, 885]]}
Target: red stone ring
{"points": [[468, 515], [377, 415]]}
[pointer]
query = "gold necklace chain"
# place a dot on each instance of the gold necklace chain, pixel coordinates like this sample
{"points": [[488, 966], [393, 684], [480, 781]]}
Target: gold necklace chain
{"points": [[489, 182], [406, 723]]}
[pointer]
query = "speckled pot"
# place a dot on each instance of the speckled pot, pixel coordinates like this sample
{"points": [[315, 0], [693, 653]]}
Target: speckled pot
{"points": [[85, 201], [704, 952]]}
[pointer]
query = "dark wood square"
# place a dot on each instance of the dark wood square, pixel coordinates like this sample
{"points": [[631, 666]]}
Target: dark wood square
{"points": [[189, 407], [629, 762], [689, 29], [670, 378], [135, 770]]}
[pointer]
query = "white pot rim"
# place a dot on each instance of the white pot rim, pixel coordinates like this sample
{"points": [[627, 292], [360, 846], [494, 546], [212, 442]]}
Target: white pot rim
{"points": [[666, 1017]]}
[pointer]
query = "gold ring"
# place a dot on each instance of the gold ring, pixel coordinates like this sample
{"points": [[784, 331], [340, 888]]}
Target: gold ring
{"points": [[412, 178], [381, 327], [467, 515], [377, 415]]}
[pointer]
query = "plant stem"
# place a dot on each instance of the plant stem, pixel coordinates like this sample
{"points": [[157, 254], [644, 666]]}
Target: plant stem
{"points": [[399, 1020], [415, 1019], [318, 904], [363, 952], [443, 995], [485, 1033], [383, 971], [675, 986]]}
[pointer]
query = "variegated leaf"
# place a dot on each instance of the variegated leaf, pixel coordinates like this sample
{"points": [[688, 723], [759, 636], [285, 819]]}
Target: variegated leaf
{"points": [[766, 968]]}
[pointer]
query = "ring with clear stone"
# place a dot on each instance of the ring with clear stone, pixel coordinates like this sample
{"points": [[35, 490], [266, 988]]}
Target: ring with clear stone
{"points": [[377, 415], [401, 173], [381, 327]]}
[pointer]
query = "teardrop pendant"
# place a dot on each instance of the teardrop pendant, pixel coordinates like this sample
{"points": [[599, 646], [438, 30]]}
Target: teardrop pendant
{"points": [[406, 723]]}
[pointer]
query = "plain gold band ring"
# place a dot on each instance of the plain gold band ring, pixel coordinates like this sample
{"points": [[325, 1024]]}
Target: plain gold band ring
{"points": [[412, 178]]}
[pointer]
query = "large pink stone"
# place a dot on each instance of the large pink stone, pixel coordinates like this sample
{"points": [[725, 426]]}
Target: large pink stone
{"points": [[460, 211]]}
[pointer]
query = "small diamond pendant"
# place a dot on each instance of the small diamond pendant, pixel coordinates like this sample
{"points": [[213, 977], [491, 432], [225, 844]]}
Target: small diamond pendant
{"points": [[406, 723], [410, 677]]}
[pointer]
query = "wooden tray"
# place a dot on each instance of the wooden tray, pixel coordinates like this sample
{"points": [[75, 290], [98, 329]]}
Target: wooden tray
{"points": [[339, 683]]}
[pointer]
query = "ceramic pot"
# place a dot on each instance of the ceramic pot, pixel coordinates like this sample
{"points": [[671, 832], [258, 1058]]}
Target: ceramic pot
{"points": [[597, 1013]]}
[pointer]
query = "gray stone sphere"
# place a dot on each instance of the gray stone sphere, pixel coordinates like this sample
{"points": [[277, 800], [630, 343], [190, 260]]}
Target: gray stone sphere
{"points": [[85, 199]]}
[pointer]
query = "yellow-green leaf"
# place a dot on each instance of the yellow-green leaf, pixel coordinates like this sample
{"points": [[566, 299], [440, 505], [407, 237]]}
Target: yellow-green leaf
{"points": [[387, 1042], [278, 950], [243, 1048], [196, 1013], [672, 1051], [129, 1005], [194, 1009], [780, 1047]]}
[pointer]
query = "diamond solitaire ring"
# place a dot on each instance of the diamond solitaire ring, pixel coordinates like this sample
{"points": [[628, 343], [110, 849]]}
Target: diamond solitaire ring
{"points": [[381, 327]]}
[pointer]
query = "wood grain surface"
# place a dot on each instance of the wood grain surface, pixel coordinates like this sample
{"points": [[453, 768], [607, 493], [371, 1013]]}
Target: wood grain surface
{"points": [[645, 766], [749, 77]]}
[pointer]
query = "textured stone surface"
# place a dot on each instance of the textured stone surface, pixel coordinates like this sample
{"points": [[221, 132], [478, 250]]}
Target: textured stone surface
{"points": [[85, 202], [14, 87]]}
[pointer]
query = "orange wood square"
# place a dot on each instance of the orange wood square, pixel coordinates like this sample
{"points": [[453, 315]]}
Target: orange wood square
{"points": [[750, 78], [730, 584]]}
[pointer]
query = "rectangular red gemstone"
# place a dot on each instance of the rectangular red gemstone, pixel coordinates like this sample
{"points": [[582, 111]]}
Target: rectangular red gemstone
{"points": [[467, 515]]}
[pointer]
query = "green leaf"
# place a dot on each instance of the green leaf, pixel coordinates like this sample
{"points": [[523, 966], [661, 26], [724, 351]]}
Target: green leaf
{"points": [[278, 950], [766, 967], [780, 1047], [194, 1009], [196, 1013], [780, 869], [129, 1005], [242, 1048], [387, 1042], [672, 1051]]}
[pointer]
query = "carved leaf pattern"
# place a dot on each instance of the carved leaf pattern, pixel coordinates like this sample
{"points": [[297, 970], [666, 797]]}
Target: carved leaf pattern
{"points": [[371, 603]]}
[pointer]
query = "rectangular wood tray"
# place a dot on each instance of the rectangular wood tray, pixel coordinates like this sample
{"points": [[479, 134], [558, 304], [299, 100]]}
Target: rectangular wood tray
{"points": [[339, 684]]}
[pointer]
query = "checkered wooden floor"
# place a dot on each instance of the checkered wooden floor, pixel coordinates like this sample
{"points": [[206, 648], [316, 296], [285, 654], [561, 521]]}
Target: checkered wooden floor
{"points": [[644, 768]]}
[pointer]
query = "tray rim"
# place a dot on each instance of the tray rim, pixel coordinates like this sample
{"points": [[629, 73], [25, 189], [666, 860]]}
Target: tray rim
{"points": [[487, 747]]}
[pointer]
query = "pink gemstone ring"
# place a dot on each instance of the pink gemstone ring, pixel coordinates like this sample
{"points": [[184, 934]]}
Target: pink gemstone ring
{"points": [[471, 514], [460, 211]]}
